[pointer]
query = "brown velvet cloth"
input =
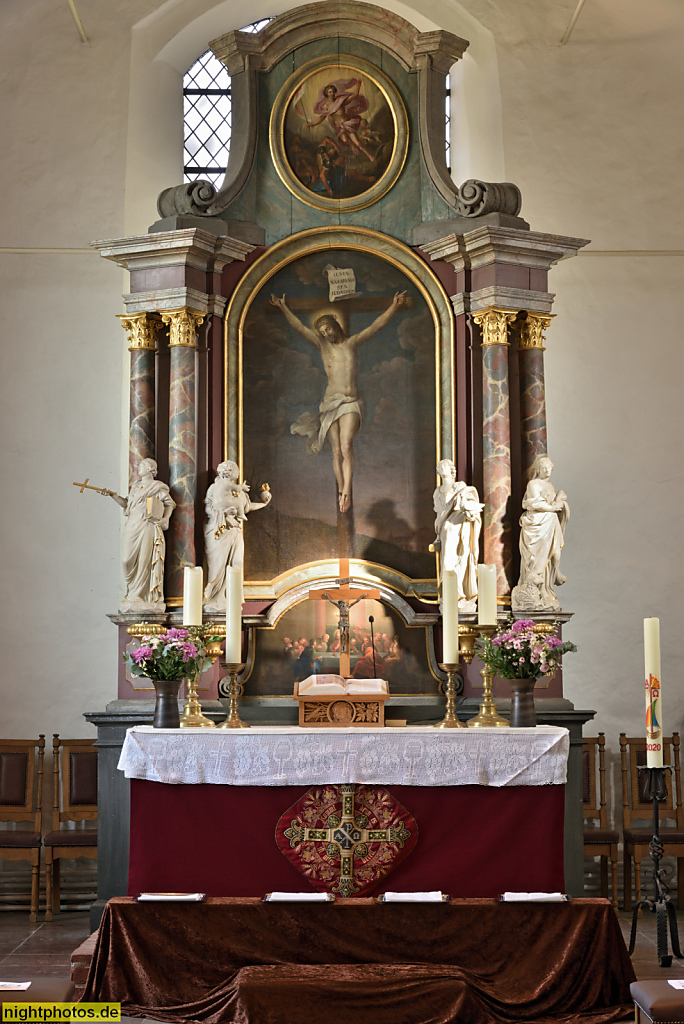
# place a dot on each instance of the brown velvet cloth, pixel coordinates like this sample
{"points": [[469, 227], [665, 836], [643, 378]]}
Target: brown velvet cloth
{"points": [[359, 962]]}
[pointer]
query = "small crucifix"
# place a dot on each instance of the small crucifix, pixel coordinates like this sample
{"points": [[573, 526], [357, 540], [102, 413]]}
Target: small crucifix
{"points": [[340, 598], [347, 836]]}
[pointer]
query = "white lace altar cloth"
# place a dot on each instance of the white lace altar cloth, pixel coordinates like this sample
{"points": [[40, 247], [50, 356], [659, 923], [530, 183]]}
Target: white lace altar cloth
{"points": [[414, 756]]}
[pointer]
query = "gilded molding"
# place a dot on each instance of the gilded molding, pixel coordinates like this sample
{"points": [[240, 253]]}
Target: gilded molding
{"points": [[183, 324], [141, 329], [532, 330], [494, 325]]}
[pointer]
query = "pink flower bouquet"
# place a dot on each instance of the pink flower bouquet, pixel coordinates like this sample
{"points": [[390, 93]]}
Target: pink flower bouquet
{"points": [[520, 652]]}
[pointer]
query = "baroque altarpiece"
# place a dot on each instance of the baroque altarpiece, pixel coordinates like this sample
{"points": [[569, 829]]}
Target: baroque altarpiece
{"points": [[337, 202]]}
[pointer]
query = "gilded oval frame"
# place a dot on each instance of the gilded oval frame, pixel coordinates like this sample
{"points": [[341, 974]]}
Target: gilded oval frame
{"points": [[337, 63]]}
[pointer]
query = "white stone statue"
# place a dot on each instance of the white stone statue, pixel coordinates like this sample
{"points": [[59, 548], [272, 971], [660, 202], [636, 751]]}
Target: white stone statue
{"points": [[457, 528], [227, 504], [148, 509], [542, 529]]}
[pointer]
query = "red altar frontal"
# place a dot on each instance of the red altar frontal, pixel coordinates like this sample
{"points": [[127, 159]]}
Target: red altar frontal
{"points": [[485, 809]]}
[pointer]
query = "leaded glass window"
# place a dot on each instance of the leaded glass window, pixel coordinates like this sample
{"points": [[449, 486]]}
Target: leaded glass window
{"points": [[207, 116]]}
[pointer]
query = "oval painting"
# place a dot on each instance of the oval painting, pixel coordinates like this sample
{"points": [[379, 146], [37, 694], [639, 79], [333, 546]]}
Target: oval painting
{"points": [[339, 133]]}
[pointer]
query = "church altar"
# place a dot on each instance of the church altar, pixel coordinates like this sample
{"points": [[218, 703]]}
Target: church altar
{"points": [[442, 295], [205, 804], [475, 961]]}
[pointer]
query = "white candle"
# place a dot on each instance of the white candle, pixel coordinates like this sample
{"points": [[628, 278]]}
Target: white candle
{"points": [[193, 586], [233, 616], [486, 595], [449, 618], [654, 719]]}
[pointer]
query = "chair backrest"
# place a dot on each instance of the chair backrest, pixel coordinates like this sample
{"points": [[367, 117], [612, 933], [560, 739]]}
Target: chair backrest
{"points": [[635, 804], [593, 782], [74, 776], [21, 781]]}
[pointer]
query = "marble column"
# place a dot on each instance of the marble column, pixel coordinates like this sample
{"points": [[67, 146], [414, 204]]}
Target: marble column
{"points": [[532, 391], [142, 336], [496, 442], [183, 324]]}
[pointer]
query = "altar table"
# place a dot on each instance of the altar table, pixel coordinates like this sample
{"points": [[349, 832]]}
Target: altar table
{"points": [[489, 805], [359, 962]]}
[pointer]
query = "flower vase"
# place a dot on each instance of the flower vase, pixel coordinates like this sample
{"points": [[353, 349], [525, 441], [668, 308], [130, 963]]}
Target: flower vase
{"points": [[522, 703], [166, 714]]}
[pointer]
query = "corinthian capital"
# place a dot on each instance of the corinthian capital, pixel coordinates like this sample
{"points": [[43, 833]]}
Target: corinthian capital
{"points": [[183, 324], [532, 330], [141, 329], [494, 324]]}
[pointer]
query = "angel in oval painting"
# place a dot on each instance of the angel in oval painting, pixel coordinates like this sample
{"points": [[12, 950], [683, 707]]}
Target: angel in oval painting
{"points": [[339, 134]]}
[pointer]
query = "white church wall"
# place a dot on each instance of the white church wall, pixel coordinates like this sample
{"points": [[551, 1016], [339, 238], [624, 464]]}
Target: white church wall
{"points": [[586, 130]]}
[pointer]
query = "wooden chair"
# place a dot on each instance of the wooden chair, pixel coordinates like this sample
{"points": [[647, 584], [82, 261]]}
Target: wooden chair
{"points": [[636, 807], [75, 799], [599, 840], [21, 794]]}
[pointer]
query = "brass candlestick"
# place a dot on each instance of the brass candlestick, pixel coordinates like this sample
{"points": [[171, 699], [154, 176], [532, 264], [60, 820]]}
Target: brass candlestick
{"points": [[192, 717], [233, 721], [450, 720], [487, 717]]}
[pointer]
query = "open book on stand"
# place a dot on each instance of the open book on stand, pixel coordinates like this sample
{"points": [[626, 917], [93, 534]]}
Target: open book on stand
{"points": [[329, 700]]}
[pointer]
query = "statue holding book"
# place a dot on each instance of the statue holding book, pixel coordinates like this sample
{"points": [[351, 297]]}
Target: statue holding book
{"points": [[227, 503], [148, 509]]}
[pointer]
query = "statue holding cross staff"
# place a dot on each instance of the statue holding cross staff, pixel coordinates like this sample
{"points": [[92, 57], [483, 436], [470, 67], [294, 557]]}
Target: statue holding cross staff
{"points": [[339, 416]]}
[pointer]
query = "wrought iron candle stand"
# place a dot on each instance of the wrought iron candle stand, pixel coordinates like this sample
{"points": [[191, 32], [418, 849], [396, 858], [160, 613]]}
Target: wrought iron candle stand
{"points": [[661, 904]]}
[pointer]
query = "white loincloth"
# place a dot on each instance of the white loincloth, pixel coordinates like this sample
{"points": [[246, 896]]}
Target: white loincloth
{"points": [[315, 426]]}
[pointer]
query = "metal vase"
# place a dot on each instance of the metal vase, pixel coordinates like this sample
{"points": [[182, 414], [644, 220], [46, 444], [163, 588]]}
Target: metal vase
{"points": [[166, 714], [522, 703]]}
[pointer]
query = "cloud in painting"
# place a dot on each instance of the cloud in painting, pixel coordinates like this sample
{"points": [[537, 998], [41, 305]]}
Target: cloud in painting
{"points": [[310, 269], [393, 408], [378, 276], [281, 377]]}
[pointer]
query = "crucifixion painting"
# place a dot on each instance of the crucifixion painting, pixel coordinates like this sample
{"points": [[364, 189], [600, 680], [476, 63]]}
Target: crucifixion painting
{"points": [[339, 406], [340, 412]]}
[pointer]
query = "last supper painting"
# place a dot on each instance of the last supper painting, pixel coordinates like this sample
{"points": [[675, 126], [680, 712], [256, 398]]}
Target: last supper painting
{"points": [[339, 413]]}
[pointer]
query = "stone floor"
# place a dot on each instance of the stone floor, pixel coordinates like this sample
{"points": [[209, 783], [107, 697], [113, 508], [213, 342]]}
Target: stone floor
{"points": [[45, 948], [42, 948]]}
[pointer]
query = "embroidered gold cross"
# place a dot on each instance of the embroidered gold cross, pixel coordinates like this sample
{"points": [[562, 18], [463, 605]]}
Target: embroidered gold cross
{"points": [[347, 837]]}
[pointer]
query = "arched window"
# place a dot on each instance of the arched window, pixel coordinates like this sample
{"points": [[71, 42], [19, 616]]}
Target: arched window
{"points": [[207, 116]]}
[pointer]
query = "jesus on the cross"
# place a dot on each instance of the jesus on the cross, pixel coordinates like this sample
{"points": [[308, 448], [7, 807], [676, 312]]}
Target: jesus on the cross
{"points": [[339, 415]]}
